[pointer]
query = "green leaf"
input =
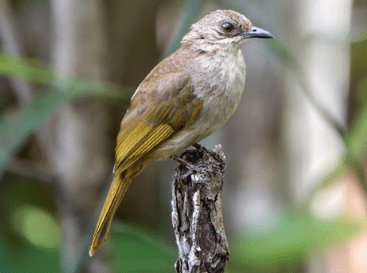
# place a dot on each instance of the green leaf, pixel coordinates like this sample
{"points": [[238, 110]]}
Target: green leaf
{"points": [[25, 257], [16, 125], [356, 138], [5, 265], [359, 58], [290, 238], [136, 252]]}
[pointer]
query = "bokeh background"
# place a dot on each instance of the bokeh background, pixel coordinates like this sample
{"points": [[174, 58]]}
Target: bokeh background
{"points": [[295, 189]]}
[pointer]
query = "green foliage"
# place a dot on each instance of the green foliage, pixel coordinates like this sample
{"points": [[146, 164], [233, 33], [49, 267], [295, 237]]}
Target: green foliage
{"points": [[356, 139], [289, 238], [17, 124], [27, 258], [359, 58], [135, 252], [30, 236]]}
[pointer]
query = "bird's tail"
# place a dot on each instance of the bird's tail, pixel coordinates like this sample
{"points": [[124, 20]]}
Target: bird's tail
{"points": [[114, 197], [113, 200]]}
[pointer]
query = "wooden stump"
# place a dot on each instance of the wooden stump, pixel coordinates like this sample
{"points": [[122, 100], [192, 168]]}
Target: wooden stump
{"points": [[197, 212]]}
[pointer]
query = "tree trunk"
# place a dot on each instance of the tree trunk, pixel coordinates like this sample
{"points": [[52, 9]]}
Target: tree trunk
{"points": [[81, 150], [197, 212]]}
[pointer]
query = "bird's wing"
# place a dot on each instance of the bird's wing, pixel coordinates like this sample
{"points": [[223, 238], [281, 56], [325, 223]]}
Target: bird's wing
{"points": [[160, 108]]}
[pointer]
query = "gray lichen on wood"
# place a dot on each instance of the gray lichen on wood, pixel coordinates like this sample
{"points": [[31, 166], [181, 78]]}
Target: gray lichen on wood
{"points": [[197, 212]]}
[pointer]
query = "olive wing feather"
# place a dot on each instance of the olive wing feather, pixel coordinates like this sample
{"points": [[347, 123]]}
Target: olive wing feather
{"points": [[158, 110]]}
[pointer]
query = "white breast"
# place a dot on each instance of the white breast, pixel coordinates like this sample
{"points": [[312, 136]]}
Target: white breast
{"points": [[225, 82], [219, 83]]}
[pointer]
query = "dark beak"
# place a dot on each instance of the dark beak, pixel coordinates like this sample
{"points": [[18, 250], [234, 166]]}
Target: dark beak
{"points": [[256, 32]]}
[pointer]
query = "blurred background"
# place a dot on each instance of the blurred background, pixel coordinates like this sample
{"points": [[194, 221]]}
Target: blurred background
{"points": [[294, 198]]}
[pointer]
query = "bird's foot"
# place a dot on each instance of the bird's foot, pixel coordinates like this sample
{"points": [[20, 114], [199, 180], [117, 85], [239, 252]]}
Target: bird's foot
{"points": [[199, 147], [182, 162], [187, 164]]}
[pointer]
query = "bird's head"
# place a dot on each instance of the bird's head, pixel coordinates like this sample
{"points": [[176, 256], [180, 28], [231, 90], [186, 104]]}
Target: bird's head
{"points": [[222, 29]]}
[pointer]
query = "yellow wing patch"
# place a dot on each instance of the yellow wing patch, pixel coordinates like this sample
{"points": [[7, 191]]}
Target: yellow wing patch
{"points": [[163, 105], [159, 109], [139, 141]]}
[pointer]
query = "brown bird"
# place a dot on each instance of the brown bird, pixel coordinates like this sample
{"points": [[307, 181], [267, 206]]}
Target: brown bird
{"points": [[184, 99]]}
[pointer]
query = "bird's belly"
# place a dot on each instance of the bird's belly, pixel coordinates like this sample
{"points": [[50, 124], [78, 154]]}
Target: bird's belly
{"points": [[215, 111]]}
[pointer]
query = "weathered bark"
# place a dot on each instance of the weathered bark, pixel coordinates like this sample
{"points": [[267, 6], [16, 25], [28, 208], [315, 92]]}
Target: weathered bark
{"points": [[197, 212]]}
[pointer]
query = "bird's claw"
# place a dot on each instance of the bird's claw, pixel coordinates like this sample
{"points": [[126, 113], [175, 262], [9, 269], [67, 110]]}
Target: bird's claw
{"points": [[187, 164]]}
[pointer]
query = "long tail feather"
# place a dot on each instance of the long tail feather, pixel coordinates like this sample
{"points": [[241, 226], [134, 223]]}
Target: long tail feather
{"points": [[115, 195]]}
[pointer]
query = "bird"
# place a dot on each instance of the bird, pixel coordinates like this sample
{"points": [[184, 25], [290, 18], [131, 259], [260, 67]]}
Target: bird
{"points": [[185, 98]]}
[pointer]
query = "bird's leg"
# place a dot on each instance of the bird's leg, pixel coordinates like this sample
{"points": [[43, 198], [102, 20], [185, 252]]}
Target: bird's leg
{"points": [[182, 162], [199, 147], [191, 167], [185, 163]]}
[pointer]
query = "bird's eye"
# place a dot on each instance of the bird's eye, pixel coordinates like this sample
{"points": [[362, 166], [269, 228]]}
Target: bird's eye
{"points": [[227, 26]]}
